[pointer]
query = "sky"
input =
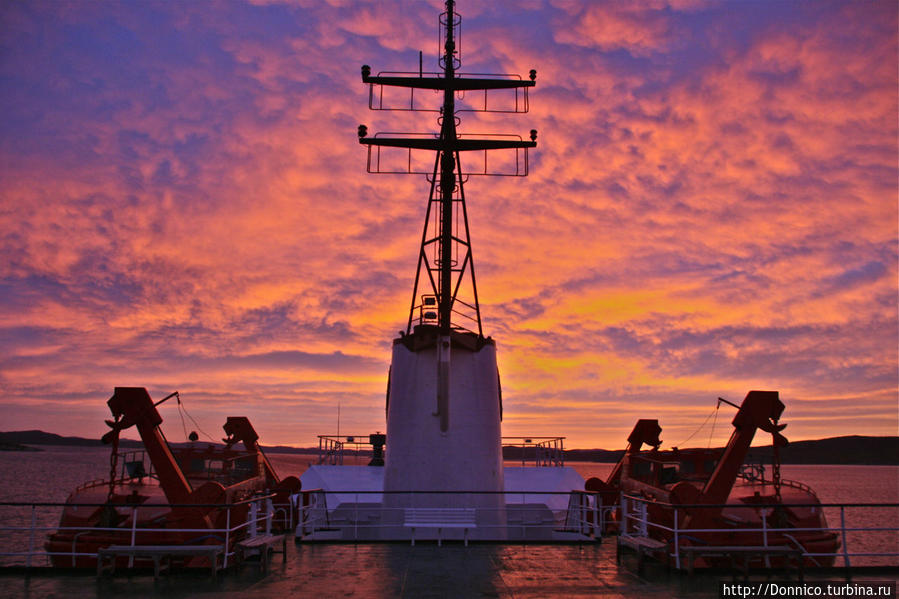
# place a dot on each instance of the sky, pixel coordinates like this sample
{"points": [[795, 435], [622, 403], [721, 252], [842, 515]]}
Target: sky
{"points": [[711, 208]]}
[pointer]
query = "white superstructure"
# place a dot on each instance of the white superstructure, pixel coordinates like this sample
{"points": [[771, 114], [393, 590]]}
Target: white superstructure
{"points": [[467, 455]]}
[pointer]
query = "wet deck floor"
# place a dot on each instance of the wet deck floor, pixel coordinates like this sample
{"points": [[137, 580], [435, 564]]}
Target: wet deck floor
{"points": [[400, 570]]}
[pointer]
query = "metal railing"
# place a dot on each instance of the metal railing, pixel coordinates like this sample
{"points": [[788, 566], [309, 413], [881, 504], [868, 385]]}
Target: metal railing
{"points": [[333, 449], [538, 451], [523, 515], [518, 515], [542, 451], [858, 534], [755, 473], [26, 526]]}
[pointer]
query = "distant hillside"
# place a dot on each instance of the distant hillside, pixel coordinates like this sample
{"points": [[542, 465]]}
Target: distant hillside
{"points": [[836, 450], [854, 449], [42, 438], [25, 438]]}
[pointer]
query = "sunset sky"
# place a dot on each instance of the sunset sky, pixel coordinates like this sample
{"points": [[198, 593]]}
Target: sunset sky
{"points": [[711, 208]]}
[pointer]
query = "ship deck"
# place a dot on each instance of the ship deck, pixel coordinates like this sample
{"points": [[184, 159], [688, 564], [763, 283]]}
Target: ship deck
{"points": [[400, 570]]}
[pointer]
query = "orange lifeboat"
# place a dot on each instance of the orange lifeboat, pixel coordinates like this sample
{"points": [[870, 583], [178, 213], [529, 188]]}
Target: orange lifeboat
{"points": [[175, 498], [719, 500]]}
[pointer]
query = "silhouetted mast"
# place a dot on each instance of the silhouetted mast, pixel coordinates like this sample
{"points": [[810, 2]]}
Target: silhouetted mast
{"points": [[444, 272]]}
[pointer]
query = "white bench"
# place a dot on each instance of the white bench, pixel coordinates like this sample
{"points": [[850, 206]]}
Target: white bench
{"points": [[440, 518]]}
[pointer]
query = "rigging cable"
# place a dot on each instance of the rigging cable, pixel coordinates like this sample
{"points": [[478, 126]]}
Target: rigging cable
{"points": [[196, 424], [698, 429], [714, 424], [181, 415]]}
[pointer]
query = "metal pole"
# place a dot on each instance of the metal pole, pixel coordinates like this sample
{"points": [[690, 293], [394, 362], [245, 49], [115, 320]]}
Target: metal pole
{"points": [[676, 542], [31, 538], [843, 527], [523, 512], [133, 533], [447, 177], [227, 536]]}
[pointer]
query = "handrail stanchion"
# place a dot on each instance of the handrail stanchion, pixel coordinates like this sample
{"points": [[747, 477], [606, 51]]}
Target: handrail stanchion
{"points": [[843, 528], [356, 519], [598, 516], [31, 537], [133, 534], [227, 536], [253, 520], [643, 521], [676, 541], [765, 536], [524, 533]]}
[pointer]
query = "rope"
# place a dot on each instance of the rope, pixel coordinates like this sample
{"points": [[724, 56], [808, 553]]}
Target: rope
{"points": [[714, 424], [181, 415], [207, 435], [693, 434]]}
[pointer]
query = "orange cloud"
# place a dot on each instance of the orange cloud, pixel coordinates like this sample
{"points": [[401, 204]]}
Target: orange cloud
{"points": [[711, 208]]}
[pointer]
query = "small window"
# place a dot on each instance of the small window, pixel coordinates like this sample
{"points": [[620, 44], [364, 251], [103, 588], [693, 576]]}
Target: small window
{"points": [[641, 470], [135, 469], [669, 474]]}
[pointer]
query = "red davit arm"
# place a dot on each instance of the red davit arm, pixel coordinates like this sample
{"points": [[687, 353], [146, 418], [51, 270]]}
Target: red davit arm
{"points": [[645, 431], [760, 410], [132, 406], [238, 428]]}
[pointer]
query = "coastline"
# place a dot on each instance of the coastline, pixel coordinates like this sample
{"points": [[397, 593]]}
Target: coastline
{"points": [[850, 450]]}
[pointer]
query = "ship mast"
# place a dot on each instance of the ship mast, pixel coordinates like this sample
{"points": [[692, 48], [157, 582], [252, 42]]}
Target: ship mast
{"points": [[448, 136], [443, 271], [455, 445]]}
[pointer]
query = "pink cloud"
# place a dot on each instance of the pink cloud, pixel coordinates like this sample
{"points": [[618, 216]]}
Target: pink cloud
{"points": [[711, 206]]}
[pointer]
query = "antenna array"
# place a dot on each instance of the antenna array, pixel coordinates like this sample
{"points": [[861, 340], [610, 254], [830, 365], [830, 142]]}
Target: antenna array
{"points": [[445, 259]]}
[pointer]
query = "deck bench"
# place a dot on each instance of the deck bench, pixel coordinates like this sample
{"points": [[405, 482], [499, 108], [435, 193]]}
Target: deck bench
{"points": [[440, 518], [641, 546], [160, 554], [747, 552], [262, 546]]}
